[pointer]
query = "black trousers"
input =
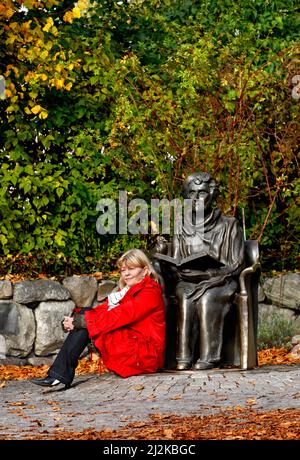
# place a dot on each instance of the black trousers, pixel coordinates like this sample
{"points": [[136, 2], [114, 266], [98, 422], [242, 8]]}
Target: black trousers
{"points": [[65, 363]]}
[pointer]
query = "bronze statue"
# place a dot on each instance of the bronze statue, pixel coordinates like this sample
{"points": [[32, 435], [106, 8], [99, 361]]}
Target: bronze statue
{"points": [[202, 264]]}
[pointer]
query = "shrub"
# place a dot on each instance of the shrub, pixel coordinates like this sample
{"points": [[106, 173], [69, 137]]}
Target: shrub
{"points": [[274, 331]]}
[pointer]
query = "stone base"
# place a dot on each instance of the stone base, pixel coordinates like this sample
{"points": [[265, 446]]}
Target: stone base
{"points": [[12, 361], [40, 360], [195, 371]]}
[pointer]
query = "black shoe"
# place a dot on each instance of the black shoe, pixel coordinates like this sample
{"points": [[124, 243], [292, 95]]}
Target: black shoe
{"points": [[46, 382]]}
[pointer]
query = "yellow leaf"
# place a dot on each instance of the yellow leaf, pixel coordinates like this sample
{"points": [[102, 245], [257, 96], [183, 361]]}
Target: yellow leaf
{"points": [[11, 39], [139, 387], [44, 77], [76, 12], [83, 4], [10, 109], [14, 26], [68, 86], [68, 16], [9, 12], [43, 115], [48, 25], [27, 110], [238, 408], [36, 109], [44, 54], [27, 77], [59, 83]]}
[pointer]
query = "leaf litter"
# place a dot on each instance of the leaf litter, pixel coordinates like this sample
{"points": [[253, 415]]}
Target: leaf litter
{"points": [[233, 423]]}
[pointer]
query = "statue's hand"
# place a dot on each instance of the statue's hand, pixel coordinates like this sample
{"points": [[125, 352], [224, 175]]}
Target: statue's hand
{"points": [[161, 245]]}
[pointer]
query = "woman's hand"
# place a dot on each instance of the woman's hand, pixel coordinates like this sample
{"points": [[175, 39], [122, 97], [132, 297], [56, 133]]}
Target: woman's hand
{"points": [[68, 323]]}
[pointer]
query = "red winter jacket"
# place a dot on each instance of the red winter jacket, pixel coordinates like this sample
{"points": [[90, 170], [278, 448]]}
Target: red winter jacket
{"points": [[131, 336]]}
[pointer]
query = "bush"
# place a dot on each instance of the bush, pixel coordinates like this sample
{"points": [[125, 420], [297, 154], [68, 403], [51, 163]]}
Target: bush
{"points": [[275, 331]]}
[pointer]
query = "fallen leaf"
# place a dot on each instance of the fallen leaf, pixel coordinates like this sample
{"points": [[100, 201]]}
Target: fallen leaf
{"points": [[38, 422], [168, 433], [139, 387], [17, 403], [238, 408]]}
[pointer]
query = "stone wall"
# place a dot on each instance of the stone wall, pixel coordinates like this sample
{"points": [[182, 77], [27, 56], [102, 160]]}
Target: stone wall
{"points": [[31, 311], [281, 295]]}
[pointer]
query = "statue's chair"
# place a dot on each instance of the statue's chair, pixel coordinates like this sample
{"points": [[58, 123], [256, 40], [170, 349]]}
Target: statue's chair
{"points": [[246, 300], [239, 346]]}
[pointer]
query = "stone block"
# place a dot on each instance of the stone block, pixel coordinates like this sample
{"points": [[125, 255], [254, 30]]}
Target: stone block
{"points": [[27, 292], [267, 311], [6, 291], [296, 340], [3, 347], [295, 351], [20, 344], [12, 361], [105, 288], [49, 333], [9, 317], [283, 290], [82, 289], [261, 293], [40, 360]]}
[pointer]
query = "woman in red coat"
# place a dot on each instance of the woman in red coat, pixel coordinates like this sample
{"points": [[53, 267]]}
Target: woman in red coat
{"points": [[128, 329]]}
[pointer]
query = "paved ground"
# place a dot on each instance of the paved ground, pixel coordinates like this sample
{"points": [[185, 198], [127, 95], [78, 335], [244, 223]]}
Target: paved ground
{"points": [[99, 402]]}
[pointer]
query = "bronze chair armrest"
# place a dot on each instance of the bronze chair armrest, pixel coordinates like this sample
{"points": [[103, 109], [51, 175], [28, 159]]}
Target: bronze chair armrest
{"points": [[244, 273]]}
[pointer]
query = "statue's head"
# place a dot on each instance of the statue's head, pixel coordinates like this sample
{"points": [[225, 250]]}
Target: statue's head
{"points": [[201, 188]]}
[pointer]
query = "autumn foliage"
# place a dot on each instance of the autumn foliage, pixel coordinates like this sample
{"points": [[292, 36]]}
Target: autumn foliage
{"points": [[103, 96], [90, 365]]}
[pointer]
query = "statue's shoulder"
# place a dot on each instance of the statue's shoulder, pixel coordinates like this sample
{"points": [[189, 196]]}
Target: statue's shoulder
{"points": [[228, 221]]}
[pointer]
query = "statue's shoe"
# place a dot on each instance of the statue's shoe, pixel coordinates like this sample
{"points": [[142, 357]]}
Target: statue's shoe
{"points": [[202, 365], [183, 366]]}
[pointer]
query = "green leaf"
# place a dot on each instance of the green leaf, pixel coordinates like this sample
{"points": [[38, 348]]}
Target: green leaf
{"points": [[59, 191]]}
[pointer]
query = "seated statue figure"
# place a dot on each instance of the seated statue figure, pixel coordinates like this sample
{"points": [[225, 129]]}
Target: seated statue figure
{"points": [[202, 265]]}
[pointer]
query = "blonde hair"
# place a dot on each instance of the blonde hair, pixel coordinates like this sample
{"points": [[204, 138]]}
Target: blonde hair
{"points": [[136, 258]]}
